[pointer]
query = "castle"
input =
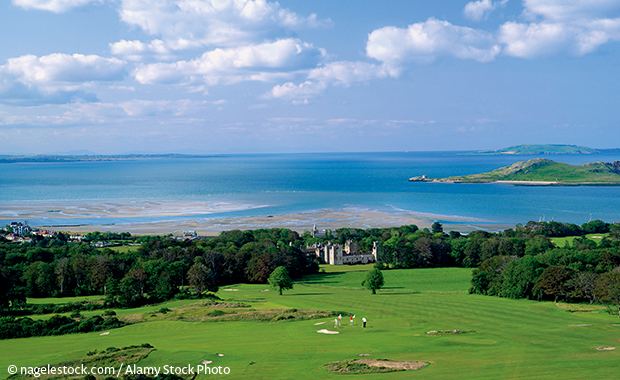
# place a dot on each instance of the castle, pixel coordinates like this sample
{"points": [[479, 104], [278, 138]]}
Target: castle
{"points": [[336, 254]]}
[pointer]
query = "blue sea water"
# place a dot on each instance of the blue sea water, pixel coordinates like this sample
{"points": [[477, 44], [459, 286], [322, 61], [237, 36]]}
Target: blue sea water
{"points": [[280, 184]]}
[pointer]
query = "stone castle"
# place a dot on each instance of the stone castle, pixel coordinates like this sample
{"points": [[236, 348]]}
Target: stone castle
{"points": [[336, 254]]}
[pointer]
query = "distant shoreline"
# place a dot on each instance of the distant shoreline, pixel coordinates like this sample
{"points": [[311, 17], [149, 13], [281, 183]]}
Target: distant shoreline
{"points": [[7, 159]]}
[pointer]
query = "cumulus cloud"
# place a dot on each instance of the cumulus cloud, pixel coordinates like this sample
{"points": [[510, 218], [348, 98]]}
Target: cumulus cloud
{"points": [[424, 42], [345, 72], [55, 78], [65, 68], [235, 64], [479, 10], [574, 27], [342, 73], [190, 23], [294, 91], [56, 6]]}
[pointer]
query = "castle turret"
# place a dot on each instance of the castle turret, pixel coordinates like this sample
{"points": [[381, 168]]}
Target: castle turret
{"points": [[375, 250]]}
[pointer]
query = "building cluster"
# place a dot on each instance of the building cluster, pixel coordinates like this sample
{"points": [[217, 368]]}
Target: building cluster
{"points": [[337, 254], [18, 229]]}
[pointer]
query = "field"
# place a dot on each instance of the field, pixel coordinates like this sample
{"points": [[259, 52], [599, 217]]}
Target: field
{"points": [[509, 339], [560, 241]]}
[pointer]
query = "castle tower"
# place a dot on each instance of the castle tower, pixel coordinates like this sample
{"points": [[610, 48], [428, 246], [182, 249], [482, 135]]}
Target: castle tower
{"points": [[375, 250]]}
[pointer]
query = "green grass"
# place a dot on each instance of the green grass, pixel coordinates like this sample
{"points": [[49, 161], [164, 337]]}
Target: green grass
{"points": [[560, 241], [396, 280], [124, 248], [545, 170], [62, 299], [512, 339]]}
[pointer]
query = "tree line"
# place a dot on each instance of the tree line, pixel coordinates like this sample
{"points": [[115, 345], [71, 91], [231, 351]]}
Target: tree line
{"points": [[521, 262]]}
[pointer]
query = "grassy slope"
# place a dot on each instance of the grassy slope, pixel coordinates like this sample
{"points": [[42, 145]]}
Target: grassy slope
{"points": [[547, 170], [517, 339]]}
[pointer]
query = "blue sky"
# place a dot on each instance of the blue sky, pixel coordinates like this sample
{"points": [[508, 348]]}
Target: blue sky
{"points": [[254, 76]]}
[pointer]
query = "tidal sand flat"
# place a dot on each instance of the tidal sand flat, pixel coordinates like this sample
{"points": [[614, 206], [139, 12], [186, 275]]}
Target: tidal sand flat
{"points": [[66, 218]]}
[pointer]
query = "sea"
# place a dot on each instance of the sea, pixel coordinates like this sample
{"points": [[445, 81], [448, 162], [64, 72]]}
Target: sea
{"points": [[284, 184]]}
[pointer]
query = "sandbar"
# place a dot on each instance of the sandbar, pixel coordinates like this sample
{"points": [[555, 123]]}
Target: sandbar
{"points": [[174, 217]]}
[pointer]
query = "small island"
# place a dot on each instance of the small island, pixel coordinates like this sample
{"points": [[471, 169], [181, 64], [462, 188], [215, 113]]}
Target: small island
{"points": [[551, 149], [541, 171]]}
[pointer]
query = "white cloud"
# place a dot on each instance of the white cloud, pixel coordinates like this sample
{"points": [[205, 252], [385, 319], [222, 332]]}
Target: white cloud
{"points": [[194, 23], [140, 108], [65, 68], [235, 64], [479, 10], [574, 27], [570, 10], [424, 42], [56, 6], [336, 73], [345, 73], [55, 78], [294, 91]]}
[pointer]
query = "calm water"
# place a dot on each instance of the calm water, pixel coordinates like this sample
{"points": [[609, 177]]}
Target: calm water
{"points": [[286, 184]]}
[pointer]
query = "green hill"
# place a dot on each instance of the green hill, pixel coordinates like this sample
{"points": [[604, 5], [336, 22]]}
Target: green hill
{"points": [[544, 149], [544, 170]]}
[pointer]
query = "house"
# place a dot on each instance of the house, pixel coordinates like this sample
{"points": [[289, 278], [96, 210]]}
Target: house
{"points": [[20, 228]]}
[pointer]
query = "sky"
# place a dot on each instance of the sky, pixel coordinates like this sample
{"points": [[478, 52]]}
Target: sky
{"points": [[258, 76]]}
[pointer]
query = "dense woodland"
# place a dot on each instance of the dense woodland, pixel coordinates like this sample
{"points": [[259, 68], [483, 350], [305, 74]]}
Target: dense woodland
{"points": [[518, 263]]}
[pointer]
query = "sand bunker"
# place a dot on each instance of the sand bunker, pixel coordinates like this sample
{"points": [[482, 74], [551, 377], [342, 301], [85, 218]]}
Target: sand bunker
{"points": [[364, 354], [105, 333], [372, 366], [581, 325], [231, 290], [206, 362], [319, 323], [326, 331], [220, 354], [605, 348], [408, 366]]}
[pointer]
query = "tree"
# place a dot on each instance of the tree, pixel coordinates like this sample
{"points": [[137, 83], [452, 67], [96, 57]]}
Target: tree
{"points": [[437, 228], [202, 278], [608, 289], [520, 277], [554, 281], [374, 280], [279, 279]]}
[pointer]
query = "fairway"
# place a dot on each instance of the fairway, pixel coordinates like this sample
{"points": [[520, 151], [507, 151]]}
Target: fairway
{"points": [[511, 339]]}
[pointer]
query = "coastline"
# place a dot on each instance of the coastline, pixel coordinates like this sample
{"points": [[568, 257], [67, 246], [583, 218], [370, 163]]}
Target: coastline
{"points": [[519, 183], [174, 217]]}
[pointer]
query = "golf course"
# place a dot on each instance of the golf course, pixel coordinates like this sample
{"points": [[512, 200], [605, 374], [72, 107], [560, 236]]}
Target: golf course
{"points": [[496, 337]]}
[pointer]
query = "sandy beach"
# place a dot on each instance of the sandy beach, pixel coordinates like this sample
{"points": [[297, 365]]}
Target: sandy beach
{"points": [[66, 218]]}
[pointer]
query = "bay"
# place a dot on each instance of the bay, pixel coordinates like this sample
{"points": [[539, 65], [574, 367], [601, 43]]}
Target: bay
{"points": [[277, 184]]}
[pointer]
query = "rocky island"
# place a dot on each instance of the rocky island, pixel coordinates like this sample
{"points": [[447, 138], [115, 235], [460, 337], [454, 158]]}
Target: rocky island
{"points": [[541, 171]]}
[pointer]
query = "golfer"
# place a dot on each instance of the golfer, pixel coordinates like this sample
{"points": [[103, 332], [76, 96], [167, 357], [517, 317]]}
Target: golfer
{"points": [[364, 321]]}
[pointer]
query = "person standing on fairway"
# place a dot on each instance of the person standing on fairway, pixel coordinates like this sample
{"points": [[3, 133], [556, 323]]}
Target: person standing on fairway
{"points": [[340, 319], [335, 322], [351, 320], [364, 321]]}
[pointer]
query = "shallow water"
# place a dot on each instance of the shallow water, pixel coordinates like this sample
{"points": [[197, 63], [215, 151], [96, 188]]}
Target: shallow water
{"points": [[261, 185]]}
